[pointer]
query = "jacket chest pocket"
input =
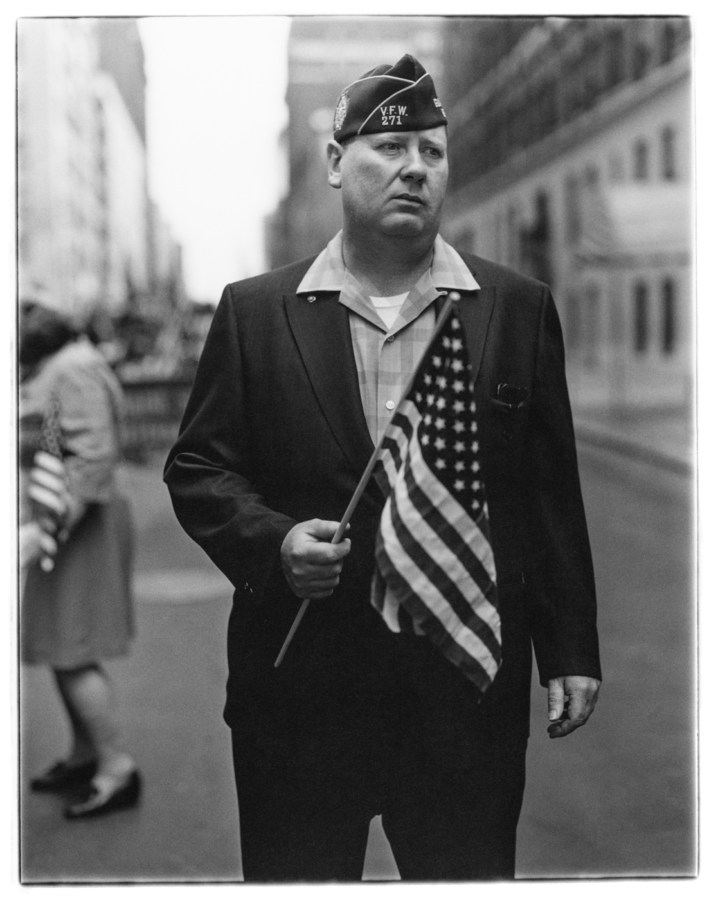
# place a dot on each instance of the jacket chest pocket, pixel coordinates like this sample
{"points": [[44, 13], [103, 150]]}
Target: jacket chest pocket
{"points": [[506, 421]]}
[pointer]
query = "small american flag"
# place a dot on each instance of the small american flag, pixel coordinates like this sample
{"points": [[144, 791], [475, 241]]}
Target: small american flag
{"points": [[435, 570], [50, 439]]}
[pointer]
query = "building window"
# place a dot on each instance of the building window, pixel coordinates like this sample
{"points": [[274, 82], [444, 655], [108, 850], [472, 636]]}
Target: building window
{"points": [[512, 237], [668, 44], [573, 210], [615, 57], [592, 329], [641, 61], [669, 317], [668, 144], [640, 316], [573, 322], [640, 160]]}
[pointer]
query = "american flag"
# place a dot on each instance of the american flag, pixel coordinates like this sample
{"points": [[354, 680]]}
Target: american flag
{"points": [[435, 570], [51, 442], [51, 434]]}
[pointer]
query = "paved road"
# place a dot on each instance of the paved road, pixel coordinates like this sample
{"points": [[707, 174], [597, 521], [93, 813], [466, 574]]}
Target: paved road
{"points": [[613, 799]]}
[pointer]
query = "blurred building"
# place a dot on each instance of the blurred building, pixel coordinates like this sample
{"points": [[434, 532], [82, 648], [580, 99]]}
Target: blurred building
{"points": [[123, 199], [121, 54], [570, 151], [60, 228], [324, 55], [88, 230]]}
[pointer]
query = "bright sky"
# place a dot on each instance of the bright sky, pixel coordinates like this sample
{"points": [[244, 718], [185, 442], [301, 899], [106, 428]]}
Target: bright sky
{"points": [[215, 108]]}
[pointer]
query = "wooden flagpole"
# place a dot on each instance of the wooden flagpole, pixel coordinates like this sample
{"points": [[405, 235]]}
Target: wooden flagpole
{"points": [[367, 474]]}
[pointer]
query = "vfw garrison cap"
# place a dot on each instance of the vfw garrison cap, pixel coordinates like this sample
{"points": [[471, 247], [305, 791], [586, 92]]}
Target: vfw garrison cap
{"points": [[401, 97]]}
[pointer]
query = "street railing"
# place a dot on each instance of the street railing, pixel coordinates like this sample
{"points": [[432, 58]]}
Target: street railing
{"points": [[154, 407]]}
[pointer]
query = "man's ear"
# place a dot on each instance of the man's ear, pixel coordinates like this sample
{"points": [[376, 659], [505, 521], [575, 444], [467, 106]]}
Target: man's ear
{"points": [[334, 160]]}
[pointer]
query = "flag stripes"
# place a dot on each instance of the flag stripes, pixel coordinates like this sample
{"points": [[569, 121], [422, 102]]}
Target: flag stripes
{"points": [[441, 581], [461, 655], [435, 570]]}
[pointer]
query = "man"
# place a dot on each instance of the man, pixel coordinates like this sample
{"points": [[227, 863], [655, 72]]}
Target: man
{"points": [[298, 379]]}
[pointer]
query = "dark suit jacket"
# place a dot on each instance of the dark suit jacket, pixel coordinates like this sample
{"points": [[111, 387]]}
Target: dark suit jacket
{"points": [[274, 433]]}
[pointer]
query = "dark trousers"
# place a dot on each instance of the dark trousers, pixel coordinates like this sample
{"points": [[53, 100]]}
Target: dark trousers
{"points": [[409, 742], [460, 828]]}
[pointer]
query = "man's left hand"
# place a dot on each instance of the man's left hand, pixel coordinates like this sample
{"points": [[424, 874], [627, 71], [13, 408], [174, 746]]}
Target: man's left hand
{"points": [[571, 702]]}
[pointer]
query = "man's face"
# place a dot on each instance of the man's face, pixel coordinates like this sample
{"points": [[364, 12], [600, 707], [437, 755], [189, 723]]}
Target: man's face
{"points": [[392, 183]]}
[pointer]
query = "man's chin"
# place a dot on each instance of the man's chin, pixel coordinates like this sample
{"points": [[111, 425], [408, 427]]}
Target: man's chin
{"points": [[408, 225]]}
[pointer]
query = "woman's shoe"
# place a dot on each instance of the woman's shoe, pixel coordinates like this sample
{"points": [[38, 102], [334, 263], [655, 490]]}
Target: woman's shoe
{"points": [[100, 799], [61, 776]]}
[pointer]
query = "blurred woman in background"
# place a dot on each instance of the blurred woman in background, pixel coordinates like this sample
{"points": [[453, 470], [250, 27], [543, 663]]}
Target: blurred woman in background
{"points": [[76, 547]]}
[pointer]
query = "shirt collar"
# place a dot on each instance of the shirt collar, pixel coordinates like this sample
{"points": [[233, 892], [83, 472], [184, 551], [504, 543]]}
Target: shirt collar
{"points": [[328, 272]]}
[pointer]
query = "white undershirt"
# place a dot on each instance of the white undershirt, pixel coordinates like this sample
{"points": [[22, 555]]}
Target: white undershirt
{"points": [[388, 307]]}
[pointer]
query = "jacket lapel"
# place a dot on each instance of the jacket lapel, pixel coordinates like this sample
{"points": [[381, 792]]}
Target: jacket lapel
{"points": [[322, 333]]}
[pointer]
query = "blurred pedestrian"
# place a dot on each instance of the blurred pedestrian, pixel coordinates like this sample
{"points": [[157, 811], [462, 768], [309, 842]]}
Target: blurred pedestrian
{"points": [[406, 690], [76, 548]]}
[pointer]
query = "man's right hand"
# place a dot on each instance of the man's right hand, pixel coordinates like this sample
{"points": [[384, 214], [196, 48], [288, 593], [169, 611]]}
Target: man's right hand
{"points": [[311, 564]]}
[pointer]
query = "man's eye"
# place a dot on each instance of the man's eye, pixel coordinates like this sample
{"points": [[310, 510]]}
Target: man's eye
{"points": [[433, 152], [389, 146]]}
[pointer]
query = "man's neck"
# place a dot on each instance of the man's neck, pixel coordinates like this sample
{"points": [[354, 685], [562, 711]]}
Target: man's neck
{"points": [[389, 266]]}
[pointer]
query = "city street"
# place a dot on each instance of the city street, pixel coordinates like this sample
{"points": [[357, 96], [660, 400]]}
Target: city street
{"points": [[614, 799]]}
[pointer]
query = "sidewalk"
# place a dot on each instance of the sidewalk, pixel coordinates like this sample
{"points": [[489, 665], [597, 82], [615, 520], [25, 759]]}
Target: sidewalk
{"points": [[664, 438], [171, 691]]}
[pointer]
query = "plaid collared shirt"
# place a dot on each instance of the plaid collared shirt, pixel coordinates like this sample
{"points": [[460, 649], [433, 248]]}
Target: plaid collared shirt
{"points": [[386, 357]]}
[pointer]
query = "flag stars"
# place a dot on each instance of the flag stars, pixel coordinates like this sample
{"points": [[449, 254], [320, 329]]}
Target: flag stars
{"points": [[447, 432]]}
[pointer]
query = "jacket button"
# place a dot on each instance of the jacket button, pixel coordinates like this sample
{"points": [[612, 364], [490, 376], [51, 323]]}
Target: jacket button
{"points": [[507, 434]]}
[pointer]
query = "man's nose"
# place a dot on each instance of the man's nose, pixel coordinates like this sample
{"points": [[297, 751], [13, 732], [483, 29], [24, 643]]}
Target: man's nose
{"points": [[414, 168]]}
